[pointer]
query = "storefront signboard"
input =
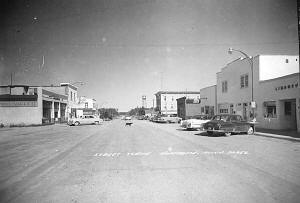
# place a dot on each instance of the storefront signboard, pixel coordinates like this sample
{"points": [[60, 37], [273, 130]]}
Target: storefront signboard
{"points": [[18, 104]]}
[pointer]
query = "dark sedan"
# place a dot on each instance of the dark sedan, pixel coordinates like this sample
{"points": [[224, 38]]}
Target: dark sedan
{"points": [[228, 124]]}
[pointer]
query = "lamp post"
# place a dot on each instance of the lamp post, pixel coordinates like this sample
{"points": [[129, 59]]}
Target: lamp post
{"points": [[250, 60]]}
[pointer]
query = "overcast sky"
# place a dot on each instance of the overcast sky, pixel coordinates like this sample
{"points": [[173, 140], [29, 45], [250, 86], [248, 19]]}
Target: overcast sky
{"points": [[121, 49]]}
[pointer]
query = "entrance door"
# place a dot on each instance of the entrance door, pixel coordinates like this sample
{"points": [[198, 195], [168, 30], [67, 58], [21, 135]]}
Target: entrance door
{"points": [[288, 118], [245, 111]]}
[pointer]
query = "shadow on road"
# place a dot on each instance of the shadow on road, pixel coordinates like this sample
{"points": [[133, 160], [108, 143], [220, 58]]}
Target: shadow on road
{"points": [[183, 129], [207, 135]]}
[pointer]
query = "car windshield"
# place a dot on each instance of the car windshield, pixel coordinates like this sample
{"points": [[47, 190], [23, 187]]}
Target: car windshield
{"points": [[222, 117]]}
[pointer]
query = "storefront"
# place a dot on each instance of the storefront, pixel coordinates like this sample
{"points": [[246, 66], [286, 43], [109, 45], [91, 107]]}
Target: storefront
{"points": [[22, 105]]}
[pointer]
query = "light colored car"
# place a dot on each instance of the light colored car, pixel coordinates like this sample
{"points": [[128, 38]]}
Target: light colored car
{"points": [[128, 118], [195, 122], [173, 118], [86, 119]]}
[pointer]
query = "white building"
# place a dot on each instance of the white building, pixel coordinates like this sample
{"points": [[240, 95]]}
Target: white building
{"points": [[276, 91], [71, 92], [86, 106], [166, 102]]}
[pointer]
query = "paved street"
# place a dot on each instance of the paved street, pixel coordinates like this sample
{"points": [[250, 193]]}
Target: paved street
{"points": [[147, 162]]}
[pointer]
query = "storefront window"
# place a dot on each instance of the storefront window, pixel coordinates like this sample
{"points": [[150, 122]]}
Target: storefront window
{"points": [[223, 110], [270, 109]]}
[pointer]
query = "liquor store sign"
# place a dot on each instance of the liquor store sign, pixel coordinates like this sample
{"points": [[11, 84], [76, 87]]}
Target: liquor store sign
{"points": [[18, 103]]}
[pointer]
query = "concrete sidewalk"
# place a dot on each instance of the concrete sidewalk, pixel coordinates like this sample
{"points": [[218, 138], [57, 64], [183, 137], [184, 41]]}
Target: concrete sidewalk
{"points": [[292, 135]]}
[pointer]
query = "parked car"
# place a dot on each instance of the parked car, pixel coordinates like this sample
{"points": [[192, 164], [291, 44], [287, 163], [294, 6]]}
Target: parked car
{"points": [[228, 124], [159, 119], [195, 122], [153, 118], [141, 117], [86, 119], [173, 118]]}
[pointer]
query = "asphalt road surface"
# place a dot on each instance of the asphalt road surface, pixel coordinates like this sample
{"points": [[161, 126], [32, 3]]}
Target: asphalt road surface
{"points": [[145, 162]]}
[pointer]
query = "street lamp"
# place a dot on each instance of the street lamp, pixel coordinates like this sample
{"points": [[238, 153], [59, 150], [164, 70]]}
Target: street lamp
{"points": [[250, 60]]}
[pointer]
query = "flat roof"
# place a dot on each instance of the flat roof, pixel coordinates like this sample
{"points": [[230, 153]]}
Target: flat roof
{"points": [[53, 94], [177, 92], [207, 87]]}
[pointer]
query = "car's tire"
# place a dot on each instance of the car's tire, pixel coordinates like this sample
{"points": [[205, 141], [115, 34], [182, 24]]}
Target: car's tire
{"points": [[76, 123], [227, 134], [250, 131], [210, 133]]}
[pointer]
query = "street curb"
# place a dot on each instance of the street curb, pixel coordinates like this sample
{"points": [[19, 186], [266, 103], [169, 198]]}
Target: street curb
{"points": [[283, 137]]}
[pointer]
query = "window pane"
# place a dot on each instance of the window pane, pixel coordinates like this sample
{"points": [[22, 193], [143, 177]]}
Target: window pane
{"points": [[242, 81], [246, 80]]}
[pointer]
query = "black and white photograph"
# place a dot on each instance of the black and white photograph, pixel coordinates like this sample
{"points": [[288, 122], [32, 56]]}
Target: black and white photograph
{"points": [[149, 101]]}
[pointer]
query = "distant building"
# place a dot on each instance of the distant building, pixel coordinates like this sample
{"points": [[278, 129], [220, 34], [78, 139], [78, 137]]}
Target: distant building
{"points": [[149, 112], [144, 101], [276, 90], [86, 106], [188, 107], [166, 100], [208, 100]]}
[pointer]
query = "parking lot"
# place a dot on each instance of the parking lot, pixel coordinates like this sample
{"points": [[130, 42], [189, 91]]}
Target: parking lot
{"points": [[144, 162]]}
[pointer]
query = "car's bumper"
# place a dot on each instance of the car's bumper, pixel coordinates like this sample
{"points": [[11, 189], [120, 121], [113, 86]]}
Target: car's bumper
{"points": [[229, 130], [215, 131]]}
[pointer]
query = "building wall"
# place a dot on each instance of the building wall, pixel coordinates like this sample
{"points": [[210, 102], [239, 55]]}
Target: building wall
{"points": [[234, 95], [208, 98], [23, 115], [193, 109], [91, 103], [237, 100], [280, 90], [181, 112], [167, 103], [71, 92]]}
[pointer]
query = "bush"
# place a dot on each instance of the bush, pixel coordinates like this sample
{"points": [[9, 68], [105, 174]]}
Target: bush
{"points": [[1, 125]]}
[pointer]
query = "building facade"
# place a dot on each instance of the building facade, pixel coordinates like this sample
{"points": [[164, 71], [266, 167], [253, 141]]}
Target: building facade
{"points": [[24, 105], [187, 107], [208, 100], [86, 106], [72, 97], [275, 90], [166, 101]]}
